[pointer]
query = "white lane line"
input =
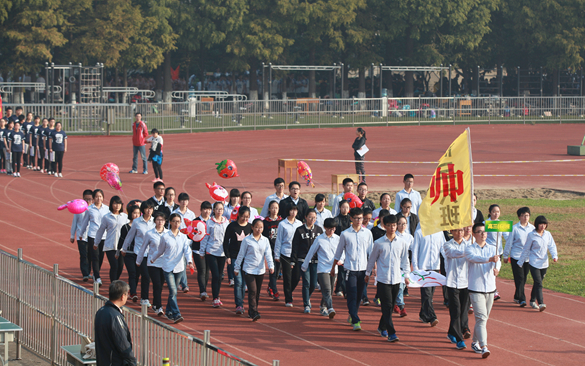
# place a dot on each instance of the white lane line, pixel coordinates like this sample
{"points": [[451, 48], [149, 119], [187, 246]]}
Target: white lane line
{"points": [[539, 333], [43, 237], [47, 266], [551, 293]]}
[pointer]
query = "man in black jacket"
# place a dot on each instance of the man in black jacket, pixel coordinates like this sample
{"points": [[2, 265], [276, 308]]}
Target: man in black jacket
{"points": [[113, 343], [294, 189], [158, 200]]}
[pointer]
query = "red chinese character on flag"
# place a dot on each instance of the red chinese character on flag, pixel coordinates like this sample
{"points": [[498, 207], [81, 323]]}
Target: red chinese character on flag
{"points": [[446, 182]]}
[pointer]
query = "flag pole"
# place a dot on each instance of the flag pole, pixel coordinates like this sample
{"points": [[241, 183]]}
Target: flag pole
{"points": [[471, 169]]}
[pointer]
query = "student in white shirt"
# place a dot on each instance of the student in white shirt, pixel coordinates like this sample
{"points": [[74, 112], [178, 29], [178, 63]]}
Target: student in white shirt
{"points": [[247, 202], [233, 203], [348, 185], [212, 250], [402, 233], [81, 237], [513, 249], [484, 265], [495, 239], [254, 251], [385, 201], [277, 196], [322, 213], [283, 251], [325, 246], [91, 222], [457, 292], [112, 223], [538, 243], [357, 243], [408, 192], [390, 256]]}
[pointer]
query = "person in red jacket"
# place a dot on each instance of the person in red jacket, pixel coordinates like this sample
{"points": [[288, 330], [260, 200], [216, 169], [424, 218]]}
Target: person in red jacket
{"points": [[139, 135]]}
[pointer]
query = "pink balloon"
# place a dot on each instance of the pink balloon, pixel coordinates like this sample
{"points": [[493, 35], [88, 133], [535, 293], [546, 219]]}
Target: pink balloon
{"points": [[217, 192], [113, 179], [75, 207]]}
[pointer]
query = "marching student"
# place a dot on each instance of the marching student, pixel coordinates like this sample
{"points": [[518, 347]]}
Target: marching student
{"points": [[155, 272], [457, 292], [513, 249], [283, 252], [155, 155], [140, 226], [277, 196], [410, 193], [2, 146], [91, 222], [538, 243], [484, 265], [58, 147], [368, 222], [227, 210], [322, 213], [169, 206], [302, 240], [358, 143], [294, 189], [390, 256], [362, 193], [379, 231], [174, 246], [357, 243], [81, 236], [401, 232], [347, 188], [324, 247], [130, 258], [211, 250], [112, 224], [34, 134], [469, 239], [495, 239], [158, 200], [235, 233], [426, 252], [476, 214], [16, 147], [385, 201], [412, 219], [271, 222], [247, 202], [343, 223], [255, 249]]}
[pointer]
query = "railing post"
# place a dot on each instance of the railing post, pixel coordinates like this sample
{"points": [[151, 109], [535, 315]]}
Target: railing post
{"points": [[419, 109], [95, 303], [206, 342], [523, 108], [143, 335], [54, 315], [19, 276], [319, 112], [275, 363]]}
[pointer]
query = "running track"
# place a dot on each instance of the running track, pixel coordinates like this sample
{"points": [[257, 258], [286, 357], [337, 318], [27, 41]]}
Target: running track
{"points": [[516, 336]]}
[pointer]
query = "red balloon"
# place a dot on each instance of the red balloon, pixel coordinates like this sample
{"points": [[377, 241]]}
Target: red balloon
{"points": [[108, 168], [227, 169], [353, 200], [195, 230], [217, 192]]}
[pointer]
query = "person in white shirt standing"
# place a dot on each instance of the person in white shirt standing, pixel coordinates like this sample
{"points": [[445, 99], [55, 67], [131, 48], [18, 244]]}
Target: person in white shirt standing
{"points": [[91, 222], [357, 244], [283, 252], [408, 192], [277, 196], [347, 188], [457, 292], [538, 243], [81, 237], [112, 224], [484, 265], [247, 202], [513, 249], [255, 249], [390, 256], [494, 238], [322, 213]]}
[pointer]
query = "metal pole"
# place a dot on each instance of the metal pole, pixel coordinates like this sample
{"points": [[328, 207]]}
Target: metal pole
{"points": [[95, 303], [19, 276], [449, 80], [334, 80], [275, 363], [342, 77], [46, 84], [518, 78], [143, 335], [54, 315], [523, 106], [372, 76], [52, 82], [501, 80], [263, 82], [79, 89], [541, 81], [206, 351], [381, 80], [441, 79], [270, 81], [478, 88]]}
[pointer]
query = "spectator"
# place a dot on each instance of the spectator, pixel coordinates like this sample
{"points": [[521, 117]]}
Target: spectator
{"points": [[139, 135]]}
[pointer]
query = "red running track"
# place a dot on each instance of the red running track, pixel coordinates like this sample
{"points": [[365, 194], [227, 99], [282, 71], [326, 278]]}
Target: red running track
{"points": [[29, 220]]}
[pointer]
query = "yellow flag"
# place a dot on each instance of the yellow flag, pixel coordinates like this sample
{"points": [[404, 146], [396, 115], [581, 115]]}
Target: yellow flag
{"points": [[449, 201]]}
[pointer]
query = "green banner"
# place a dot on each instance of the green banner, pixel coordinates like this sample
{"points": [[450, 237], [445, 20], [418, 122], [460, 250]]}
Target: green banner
{"points": [[498, 226]]}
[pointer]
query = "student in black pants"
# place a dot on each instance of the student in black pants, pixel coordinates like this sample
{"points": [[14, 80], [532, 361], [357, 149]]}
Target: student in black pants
{"points": [[41, 145], [344, 222], [130, 257], [16, 141], [359, 142], [270, 230], [58, 145]]}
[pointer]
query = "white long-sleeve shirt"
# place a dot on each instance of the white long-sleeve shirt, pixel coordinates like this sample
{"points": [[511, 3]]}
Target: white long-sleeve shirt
{"points": [[357, 246], [253, 214], [189, 215], [335, 204], [480, 273], [253, 253], [414, 197], [517, 239], [325, 248], [426, 250], [492, 238], [272, 197], [174, 248], [321, 216], [535, 250], [112, 225], [391, 258], [76, 231], [456, 268], [93, 219], [376, 212], [137, 232], [409, 239], [213, 243], [150, 246], [284, 237]]}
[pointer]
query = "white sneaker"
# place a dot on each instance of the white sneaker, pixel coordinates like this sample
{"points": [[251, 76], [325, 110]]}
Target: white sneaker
{"points": [[542, 307], [203, 296], [15, 174], [160, 312], [56, 175], [145, 302], [324, 312], [231, 283], [533, 305], [18, 175], [475, 347], [60, 175], [307, 310], [485, 352], [99, 282]]}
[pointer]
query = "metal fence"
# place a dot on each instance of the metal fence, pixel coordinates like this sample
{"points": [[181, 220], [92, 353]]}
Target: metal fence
{"points": [[55, 312], [203, 114]]}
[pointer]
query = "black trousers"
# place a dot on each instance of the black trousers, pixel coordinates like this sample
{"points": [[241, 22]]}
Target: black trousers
{"points": [[537, 276], [274, 277], [215, 265], [254, 283], [116, 265], [202, 272], [458, 306], [157, 170], [16, 159], [59, 161], [96, 256], [520, 275], [427, 312], [359, 167], [290, 278], [133, 274], [2, 158], [48, 163], [444, 273], [388, 294], [41, 157], [157, 276], [83, 258], [340, 284], [145, 281]]}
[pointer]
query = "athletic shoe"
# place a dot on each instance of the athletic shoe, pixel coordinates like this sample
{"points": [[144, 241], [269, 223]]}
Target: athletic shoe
{"points": [[215, 303], [270, 293], [485, 352], [145, 302], [133, 171], [289, 304], [246, 288], [339, 293], [452, 339], [405, 292], [434, 322], [475, 347], [256, 317], [522, 304], [470, 310], [145, 172], [16, 175], [393, 338], [365, 301], [160, 312], [99, 282], [155, 180], [331, 313], [324, 312], [56, 175], [377, 302], [85, 278], [517, 301], [349, 320], [421, 319], [178, 319], [185, 290], [383, 333], [203, 296], [231, 283], [533, 305], [134, 298], [239, 310], [403, 312], [357, 326], [542, 307], [317, 287], [276, 296], [461, 345], [466, 334], [497, 296], [219, 302], [307, 310], [396, 309]]}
